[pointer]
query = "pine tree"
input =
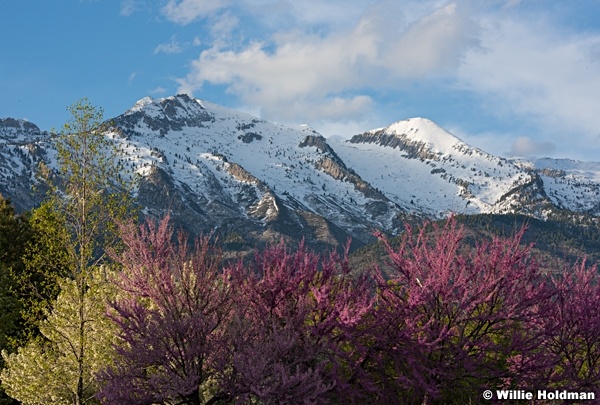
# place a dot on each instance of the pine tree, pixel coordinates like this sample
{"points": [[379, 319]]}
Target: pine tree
{"points": [[15, 232]]}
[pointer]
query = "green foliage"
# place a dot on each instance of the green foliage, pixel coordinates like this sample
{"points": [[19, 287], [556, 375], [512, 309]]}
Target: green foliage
{"points": [[46, 263], [88, 196], [85, 201], [47, 369], [15, 232], [559, 242]]}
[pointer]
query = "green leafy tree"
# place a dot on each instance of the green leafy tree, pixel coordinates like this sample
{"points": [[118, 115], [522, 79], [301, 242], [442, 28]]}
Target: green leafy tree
{"points": [[61, 367], [86, 200], [87, 195]]}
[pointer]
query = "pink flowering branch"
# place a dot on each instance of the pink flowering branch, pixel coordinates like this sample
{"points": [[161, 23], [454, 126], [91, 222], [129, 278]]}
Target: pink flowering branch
{"points": [[298, 316], [449, 316], [172, 305]]}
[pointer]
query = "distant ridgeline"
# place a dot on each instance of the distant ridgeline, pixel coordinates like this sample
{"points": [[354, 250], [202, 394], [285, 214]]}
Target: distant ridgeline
{"points": [[252, 182]]}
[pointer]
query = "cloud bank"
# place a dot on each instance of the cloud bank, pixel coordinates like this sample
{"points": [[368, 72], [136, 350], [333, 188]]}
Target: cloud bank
{"points": [[298, 75], [526, 69], [524, 146], [332, 62]]}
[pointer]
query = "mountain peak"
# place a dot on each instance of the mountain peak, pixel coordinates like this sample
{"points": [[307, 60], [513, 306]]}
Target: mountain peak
{"points": [[140, 104], [226, 171], [11, 126], [159, 116], [419, 138], [181, 104], [426, 131]]}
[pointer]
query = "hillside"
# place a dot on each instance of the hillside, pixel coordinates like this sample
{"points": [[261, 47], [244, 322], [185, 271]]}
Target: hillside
{"points": [[252, 181]]}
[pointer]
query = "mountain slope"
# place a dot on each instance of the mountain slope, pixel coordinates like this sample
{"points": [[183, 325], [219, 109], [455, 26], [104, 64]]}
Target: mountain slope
{"points": [[246, 179], [226, 165], [425, 169], [569, 184], [22, 146]]}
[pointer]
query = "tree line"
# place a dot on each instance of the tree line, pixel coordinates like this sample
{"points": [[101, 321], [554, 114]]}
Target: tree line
{"points": [[101, 309]]}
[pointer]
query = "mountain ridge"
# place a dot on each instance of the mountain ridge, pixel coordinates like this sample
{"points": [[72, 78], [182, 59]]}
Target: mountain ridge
{"points": [[228, 172]]}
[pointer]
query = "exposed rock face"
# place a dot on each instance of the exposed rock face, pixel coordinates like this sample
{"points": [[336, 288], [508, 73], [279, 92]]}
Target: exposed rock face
{"points": [[11, 127], [339, 172], [413, 149], [249, 137], [253, 182], [553, 172], [169, 114], [331, 164]]}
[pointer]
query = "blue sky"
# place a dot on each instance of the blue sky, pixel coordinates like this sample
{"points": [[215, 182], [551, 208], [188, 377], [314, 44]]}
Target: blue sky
{"points": [[509, 76]]}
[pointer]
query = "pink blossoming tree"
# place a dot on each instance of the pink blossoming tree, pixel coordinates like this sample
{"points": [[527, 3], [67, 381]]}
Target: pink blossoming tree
{"points": [[571, 323], [170, 311], [443, 322], [450, 319], [297, 321]]}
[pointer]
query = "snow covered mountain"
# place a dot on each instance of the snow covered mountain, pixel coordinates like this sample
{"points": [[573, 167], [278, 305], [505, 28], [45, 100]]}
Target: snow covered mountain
{"points": [[569, 184], [232, 172], [429, 171], [248, 179], [22, 146]]}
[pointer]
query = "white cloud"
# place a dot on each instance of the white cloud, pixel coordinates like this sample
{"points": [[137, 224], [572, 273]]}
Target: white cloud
{"points": [[221, 28], [334, 13], [345, 129], [315, 110], [298, 75], [132, 77], [490, 142], [158, 90], [531, 71], [524, 146], [187, 11], [433, 44], [171, 47], [327, 63], [129, 7]]}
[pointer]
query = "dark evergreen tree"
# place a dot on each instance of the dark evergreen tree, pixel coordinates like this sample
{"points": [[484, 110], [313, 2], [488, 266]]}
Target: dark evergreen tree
{"points": [[15, 232]]}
